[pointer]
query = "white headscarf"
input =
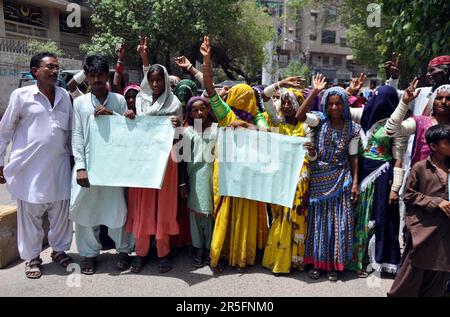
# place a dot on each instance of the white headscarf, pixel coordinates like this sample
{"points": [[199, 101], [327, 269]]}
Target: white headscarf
{"points": [[166, 105], [434, 95]]}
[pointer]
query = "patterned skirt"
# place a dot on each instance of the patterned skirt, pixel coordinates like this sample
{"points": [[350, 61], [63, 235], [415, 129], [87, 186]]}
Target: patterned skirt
{"points": [[330, 226]]}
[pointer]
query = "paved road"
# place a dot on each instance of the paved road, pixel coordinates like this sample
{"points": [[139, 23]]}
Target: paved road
{"points": [[183, 280]]}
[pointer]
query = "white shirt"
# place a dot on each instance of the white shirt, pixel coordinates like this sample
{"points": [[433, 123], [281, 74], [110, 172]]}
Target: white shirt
{"points": [[39, 167], [96, 205]]}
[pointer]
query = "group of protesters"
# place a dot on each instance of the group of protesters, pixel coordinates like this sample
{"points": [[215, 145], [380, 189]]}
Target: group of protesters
{"points": [[369, 164]]}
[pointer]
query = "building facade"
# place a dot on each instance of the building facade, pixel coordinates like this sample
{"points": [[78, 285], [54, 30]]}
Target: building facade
{"points": [[25, 20], [313, 36]]}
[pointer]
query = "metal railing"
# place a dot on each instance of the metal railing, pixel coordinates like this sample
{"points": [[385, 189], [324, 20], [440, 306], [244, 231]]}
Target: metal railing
{"points": [[10, 45], [13, 46]]}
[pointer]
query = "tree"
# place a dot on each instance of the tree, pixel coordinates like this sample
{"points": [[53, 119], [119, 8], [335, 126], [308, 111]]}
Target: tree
{"points": [[295, 68], [238, 29], [35, 46], [418, 30]]}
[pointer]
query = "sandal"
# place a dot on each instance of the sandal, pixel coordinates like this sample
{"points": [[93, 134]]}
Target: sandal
{"points": [[165, 265], [362, 274], [197, 261], [61, 258], [88, 265], [332, 276], [123, 261], [314, 274], [33, 268], [207, 259], [219, 268], [198, 258], [137, 264]]}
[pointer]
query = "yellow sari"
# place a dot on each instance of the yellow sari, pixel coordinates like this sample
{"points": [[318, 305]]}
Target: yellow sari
{"points": [[285, 246], [240, 224]]}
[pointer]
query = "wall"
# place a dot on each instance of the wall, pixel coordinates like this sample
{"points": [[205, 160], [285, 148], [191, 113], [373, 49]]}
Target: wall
{"points": [[11, 64]]}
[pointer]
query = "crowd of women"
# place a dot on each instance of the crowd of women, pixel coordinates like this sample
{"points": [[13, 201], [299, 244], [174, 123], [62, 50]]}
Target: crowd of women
{"points": [[346, 214]]}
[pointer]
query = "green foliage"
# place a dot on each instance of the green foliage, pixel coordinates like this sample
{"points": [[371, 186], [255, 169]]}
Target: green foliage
{"points": [[418, 30], [238, 30], [295, 68], [35, 46]]}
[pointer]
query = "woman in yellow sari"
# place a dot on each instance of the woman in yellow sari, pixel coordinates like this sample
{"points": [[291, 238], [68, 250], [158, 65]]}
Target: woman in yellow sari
{"points": [[240, 224], [285, 247]]}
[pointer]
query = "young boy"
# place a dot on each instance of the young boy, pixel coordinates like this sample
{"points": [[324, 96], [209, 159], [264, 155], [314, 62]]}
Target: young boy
{"points": [[426, 260]]}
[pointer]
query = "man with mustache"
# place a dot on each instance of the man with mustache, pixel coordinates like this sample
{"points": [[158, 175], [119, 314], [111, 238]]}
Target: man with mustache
{"points": [[93, 206], [38, 123], [438, 74]]}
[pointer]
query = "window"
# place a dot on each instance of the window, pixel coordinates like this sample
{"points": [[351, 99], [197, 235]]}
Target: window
{"points": [[337, 61], [343, 42], [331, 14], [283, 60], [23, 13], [312, 37], [328, 37], [326, 60]]}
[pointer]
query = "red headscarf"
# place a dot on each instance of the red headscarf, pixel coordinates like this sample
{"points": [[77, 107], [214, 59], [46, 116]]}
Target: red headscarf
{"points": [[440, 60], [131, 87]]}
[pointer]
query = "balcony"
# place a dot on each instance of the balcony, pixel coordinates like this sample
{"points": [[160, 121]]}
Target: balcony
{"points": [[10, 45]]}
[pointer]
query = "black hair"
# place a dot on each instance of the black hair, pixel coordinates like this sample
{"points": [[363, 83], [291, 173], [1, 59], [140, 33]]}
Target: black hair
{"points": [[96, 63], [37, 58], [156, 68], [437, 133]]}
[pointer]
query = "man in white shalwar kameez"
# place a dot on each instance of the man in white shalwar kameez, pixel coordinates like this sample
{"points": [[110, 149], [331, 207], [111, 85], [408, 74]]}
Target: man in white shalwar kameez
{"points": [[38, 122], [92, 206]]}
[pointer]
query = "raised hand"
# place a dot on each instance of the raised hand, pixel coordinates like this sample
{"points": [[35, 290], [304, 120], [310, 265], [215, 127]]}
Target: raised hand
{"points": [[142, 48], [392, 67], [182, 62], [205, 49], [356, 84], [120, 50], [319, 82], [411, 92], [293, 82]]}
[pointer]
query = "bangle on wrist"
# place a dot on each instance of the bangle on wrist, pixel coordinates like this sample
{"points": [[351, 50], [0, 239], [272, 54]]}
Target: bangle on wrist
{"points": [[189, 67]]}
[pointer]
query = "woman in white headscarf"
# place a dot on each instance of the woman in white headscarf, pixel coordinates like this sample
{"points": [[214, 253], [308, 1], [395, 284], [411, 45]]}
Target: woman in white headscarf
{"points": [[153, 212], [156, 97]]}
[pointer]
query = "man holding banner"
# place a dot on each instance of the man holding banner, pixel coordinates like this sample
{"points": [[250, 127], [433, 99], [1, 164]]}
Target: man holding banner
{"points": [[92, 206]]}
